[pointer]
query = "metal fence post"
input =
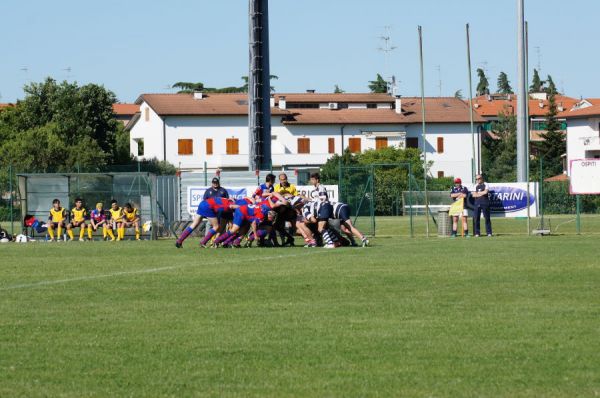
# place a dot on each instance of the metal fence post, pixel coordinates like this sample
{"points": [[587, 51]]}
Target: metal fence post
{"points": [[373, 198], [410, 200], [578, 202], [10, 203]]}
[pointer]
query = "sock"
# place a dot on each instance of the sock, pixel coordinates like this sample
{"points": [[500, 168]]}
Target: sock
{"points": [[251, 237], [326, 237], [208, 236], [70, 233], [81, 232], [466, 232], [51, 232], [137, 233], [122, 232], [231, 239], [186, 232], [59, 232], [110, 233], [453, 232], [351, 238], [104, 231], [237, 241], [90, 232], [223, 237]]}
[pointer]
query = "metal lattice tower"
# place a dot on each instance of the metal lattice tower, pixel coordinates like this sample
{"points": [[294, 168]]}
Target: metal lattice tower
{"points": [[259, 89]]}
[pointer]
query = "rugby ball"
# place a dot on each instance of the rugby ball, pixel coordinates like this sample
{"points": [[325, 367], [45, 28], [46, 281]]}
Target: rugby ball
{"points": [[147, 227], [21, 239], [4, 240]]}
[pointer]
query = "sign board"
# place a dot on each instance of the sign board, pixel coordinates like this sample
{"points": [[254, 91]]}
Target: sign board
{"points": [[584, 176], [509, 199], [196, 194]]}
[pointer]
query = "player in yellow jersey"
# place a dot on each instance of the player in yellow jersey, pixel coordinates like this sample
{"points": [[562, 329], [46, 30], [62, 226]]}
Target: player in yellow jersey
{"points": [[78, 216], [56, 220], [116, 220], [284, 187], [131, 218]]}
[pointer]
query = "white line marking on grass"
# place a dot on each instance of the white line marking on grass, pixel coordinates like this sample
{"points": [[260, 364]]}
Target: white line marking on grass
{"points": [[135, 272]]}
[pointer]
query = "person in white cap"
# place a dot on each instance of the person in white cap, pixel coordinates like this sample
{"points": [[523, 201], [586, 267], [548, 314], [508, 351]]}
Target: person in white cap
{"points": [[460, 192]]}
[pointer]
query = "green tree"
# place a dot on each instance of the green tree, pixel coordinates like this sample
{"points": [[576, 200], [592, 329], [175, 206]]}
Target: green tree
{"points": [[551, 87], [246, 80], [338, 90], [458, 94], [379, 85], [499, 152], [483, 87], [553, 146], [503, 84], [188, 87], [537, 84]]}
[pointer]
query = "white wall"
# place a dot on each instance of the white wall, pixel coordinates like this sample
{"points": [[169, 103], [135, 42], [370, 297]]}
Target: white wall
{"points": [[455, 161], [583, 139]]}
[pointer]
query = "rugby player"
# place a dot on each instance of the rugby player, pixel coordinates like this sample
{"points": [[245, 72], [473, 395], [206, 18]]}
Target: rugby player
{"points": [[116, 220], [265, 189], [341, 212], [131, 218], [77, 220], [457, 192], [217, 211], [56, 220], [244, 218], [97, 220], [324, 209]]}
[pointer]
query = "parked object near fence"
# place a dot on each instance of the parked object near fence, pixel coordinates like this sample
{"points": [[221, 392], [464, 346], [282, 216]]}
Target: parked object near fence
{"points": [[585, 176]]}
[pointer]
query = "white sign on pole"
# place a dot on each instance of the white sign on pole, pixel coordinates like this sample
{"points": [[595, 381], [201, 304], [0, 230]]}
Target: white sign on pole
{"points": [[584, 176]]}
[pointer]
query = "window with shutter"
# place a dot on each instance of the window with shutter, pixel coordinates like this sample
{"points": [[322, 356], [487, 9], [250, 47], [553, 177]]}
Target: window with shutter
{"points": [[412, 142], [331, 145], [185, 147], [381, 142], [354, 145], [440, 174], [440, 144], [233, 146], [303, 145], [209, 146]]}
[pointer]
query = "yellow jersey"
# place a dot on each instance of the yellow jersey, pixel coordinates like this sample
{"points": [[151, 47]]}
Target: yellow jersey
{"points": [[116, 215], [57, 215], [132, 215], [290, 189], [78, 215]]}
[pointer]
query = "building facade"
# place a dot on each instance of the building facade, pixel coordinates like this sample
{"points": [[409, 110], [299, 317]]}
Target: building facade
{"points": [[194, 131], [583, 131]]}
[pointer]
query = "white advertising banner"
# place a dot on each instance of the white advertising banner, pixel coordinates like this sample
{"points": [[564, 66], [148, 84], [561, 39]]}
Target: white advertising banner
{"points": [[584, 176], [509, 199]]}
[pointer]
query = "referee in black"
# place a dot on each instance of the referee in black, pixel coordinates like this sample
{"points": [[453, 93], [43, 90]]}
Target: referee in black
{"points": [[482, 205]]}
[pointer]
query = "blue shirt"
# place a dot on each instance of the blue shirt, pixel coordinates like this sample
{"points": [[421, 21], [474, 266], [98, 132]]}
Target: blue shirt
{"points": [[482, 200], [216, 193], [461, 189]]}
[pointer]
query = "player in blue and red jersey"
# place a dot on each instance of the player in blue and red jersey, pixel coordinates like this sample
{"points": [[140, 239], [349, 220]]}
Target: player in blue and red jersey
{"points": [[97, 220], [265, 189], [217, 211], [244, 218]]}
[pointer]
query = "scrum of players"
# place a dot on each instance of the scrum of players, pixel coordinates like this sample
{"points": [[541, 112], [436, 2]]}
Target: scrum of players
{"points": [[274, 216]]}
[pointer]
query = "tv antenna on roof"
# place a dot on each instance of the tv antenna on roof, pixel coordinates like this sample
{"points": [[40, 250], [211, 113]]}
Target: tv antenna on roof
{"points": [[386, 49], [538, 52], [439, 69], [68, 70]]}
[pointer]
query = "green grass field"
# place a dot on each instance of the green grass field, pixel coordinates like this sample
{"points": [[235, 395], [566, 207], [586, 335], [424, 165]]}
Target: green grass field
{"points": [[509, 316]]}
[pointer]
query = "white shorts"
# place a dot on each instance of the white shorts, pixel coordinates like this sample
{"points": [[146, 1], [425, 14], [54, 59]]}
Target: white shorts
{"points": [[465, 213]]}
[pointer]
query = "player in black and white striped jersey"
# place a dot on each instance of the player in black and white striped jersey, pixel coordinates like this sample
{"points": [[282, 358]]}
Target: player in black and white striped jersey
{"points": [[341, 211], [324, 210]]}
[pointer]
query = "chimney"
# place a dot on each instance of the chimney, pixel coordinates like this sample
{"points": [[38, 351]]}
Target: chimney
{"points": [[272, 101], [561, 108], [197, 95], [398, 104], [282, 102], [541, 104]]}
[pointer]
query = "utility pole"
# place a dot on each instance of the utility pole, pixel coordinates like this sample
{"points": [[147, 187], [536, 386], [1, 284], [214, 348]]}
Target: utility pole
{"points": [[522, 95]]}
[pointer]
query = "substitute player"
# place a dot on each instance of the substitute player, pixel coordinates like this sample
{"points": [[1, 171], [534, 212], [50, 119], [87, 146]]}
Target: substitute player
{"points": [[97, 220], [116, 221], [56, 220], [78, 216], [131, 218], [460, 192]]}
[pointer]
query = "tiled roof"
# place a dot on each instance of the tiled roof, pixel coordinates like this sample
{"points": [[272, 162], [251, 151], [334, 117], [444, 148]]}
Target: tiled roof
{"points": [[560, 177], [332, 97], [125, 109], [593, 110], [438, 110], [491, 108]]}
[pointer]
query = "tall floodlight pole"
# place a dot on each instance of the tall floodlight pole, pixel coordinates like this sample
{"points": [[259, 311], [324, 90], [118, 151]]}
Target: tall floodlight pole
{"points": [[522, 96], [259, 87], [473, 171], [423, 129]]}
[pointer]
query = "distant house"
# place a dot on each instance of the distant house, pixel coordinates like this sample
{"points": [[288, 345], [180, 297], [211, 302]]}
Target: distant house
{"points": [[125, 112], [490, 106], [583, 130], [194, 130]]}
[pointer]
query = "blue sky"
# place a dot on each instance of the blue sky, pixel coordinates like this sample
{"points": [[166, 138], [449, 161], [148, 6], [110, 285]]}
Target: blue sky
{"points": [[135, 46]]}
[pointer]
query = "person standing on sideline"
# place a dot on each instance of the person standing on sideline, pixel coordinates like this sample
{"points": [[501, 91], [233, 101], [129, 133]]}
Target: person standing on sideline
{"points": [[482, 205], [216, 190], [284, 187], [459, 192]]}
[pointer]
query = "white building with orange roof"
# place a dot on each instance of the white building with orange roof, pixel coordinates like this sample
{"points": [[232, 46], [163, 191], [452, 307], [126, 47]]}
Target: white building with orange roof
{"points": [[192, 131], [583, 130]]}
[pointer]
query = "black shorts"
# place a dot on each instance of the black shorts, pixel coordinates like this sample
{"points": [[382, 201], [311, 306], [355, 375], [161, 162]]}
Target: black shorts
{"points": [[343, 213], [77, 224], [325, 212], [55, 224]]}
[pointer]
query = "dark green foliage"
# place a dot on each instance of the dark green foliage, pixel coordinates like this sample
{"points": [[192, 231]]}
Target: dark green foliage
{"points": [[458, 94], [499, 155], [551, 88], [504, 85], [554, 145], [338, 90], [483, 87], [537, 84], [379, 85]]}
